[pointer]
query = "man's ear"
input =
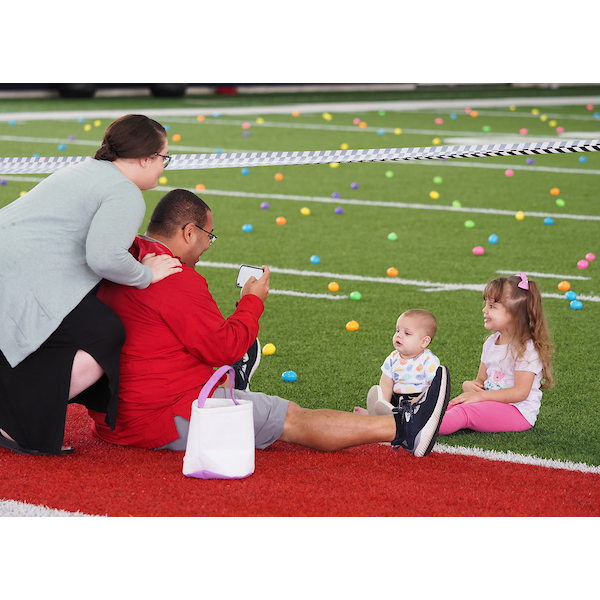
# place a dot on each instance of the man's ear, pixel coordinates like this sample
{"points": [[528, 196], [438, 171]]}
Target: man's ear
{"points": [[187, 232]]}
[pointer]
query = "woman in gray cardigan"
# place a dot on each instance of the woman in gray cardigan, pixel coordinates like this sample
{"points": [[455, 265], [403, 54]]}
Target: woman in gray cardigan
{"points": [[57, 243]]}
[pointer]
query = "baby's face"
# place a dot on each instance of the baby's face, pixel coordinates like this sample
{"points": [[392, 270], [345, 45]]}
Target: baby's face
{"points": [[410, 338]]}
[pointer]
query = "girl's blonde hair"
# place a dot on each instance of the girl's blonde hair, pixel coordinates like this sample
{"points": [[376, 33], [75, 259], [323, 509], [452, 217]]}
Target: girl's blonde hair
{"points": [[526, 308]]}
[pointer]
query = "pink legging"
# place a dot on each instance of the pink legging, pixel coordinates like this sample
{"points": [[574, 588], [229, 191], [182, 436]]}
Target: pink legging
{"points": [[488, 417]]}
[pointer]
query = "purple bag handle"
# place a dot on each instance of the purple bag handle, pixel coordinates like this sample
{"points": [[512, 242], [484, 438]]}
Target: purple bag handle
{"points": [[208, 386]]}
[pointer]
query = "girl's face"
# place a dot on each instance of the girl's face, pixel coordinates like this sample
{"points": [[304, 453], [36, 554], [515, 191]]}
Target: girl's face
{"points": [[496, 317]]}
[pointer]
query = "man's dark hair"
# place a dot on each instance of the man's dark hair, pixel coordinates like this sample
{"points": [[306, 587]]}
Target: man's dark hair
{"points": [[175, 210]]}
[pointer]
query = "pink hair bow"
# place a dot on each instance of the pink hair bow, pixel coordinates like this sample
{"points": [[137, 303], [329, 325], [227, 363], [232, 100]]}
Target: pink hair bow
{"points": [[524, 283]]}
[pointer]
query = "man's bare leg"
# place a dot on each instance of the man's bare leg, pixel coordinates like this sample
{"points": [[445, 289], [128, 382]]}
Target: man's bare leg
{"points": [[330, 430]]}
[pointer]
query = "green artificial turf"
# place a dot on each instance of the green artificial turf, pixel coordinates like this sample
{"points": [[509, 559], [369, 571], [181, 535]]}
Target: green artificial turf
{"points": [[335, 367]]}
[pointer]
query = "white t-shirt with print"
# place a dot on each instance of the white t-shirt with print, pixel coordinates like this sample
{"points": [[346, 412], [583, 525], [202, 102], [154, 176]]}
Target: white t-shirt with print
{"points": [[411, 375], [501, 367]]}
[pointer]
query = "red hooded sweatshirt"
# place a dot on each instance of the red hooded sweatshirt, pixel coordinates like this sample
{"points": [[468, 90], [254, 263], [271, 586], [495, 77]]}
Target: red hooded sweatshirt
{"points": [[176, 336]]}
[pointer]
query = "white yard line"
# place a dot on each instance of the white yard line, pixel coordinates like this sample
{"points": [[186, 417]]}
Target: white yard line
{"points": [[425, 286]]}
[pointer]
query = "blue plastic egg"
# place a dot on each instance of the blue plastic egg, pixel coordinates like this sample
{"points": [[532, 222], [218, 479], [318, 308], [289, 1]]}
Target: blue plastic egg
{"points": [[289, 376], [576, 304], [493, 239], [247, 228], [571, 296], [245, 171], [314, 259], [548, 221]]}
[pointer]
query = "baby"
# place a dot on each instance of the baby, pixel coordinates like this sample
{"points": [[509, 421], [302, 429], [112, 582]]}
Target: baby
{"points": [[409, 369]]}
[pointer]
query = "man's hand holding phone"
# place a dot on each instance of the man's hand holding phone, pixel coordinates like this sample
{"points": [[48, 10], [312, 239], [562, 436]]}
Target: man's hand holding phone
{"points": [[253, 282]]}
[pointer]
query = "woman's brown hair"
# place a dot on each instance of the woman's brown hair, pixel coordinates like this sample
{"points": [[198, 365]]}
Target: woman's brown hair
{"points": [[132, 136]]}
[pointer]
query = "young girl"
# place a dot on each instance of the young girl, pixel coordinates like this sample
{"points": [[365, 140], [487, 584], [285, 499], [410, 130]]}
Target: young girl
{"points": [[515, 362]]}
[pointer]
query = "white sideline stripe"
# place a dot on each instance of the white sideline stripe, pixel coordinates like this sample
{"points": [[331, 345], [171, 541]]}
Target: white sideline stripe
{"points": [[307, 294], [426, 286], [417, 206], [547, 275], [287, 109], [12, 508], [512, 457]]}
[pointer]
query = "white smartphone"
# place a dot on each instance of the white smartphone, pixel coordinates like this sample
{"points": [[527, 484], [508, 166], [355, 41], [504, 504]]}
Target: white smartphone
{"points": [[247, 271]]}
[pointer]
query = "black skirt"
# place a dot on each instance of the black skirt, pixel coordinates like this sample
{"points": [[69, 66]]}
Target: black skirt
{"points": [[34, 395]]}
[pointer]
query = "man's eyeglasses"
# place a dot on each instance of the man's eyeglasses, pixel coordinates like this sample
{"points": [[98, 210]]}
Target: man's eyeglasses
{"points": [[211, 236], [166, 158]]}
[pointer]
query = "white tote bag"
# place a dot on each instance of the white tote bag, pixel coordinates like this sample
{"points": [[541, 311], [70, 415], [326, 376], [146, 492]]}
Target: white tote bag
{"points": [[220, 442]]}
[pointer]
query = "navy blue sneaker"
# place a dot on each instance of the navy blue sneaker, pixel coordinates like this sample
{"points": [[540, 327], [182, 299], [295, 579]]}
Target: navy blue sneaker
{"points": [[245, 367], [418, 424]]}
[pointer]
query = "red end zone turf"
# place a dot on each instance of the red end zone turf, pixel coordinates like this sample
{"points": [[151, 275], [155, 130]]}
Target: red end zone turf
{"points": [[291, 481]]}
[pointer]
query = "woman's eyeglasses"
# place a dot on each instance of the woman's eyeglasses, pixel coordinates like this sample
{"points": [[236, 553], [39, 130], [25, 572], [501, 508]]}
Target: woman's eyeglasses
{"points": [[166, 158]]}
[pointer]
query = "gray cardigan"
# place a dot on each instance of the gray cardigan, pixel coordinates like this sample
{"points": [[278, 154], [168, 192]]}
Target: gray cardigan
{"points": [[57, 242]]}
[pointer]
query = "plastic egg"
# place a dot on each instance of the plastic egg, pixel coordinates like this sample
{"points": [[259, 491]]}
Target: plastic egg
{"points": [[576, 304], [437, 180], [268, 349], [583, 264], [548, 221], [392, 236], [247, 228], [289, 376], [478, 250], [520, 215], [434, 195], [389, 174], [305, 211], [354, 185], [469, 224], [280, 221], [571, 296], [590, 257], [523, 131], [333, 286], [245, 171], [200, 187], [335, 195], [456, 203], [509, 172], [355, 296], [176, 138], [278, 176], [392, 272], [564, 286], [339, 210], [314, 259], [162, 180], [352, 325], [555, 191], [265, 205], [560, 202], [493, 239]]}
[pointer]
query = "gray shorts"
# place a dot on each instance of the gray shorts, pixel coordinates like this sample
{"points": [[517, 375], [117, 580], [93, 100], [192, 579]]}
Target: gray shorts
{"points": [[269, 418]]}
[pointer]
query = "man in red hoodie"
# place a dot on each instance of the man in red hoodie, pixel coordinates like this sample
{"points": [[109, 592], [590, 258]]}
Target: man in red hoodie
{"points": [[177, 336]]}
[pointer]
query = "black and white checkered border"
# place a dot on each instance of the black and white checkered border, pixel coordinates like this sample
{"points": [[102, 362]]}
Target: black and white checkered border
{"points": [[30, 165]]}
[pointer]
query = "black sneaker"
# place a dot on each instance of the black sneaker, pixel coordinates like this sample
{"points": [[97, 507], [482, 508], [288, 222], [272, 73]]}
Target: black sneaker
{"points": [[245, 367], [421, 420]]}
